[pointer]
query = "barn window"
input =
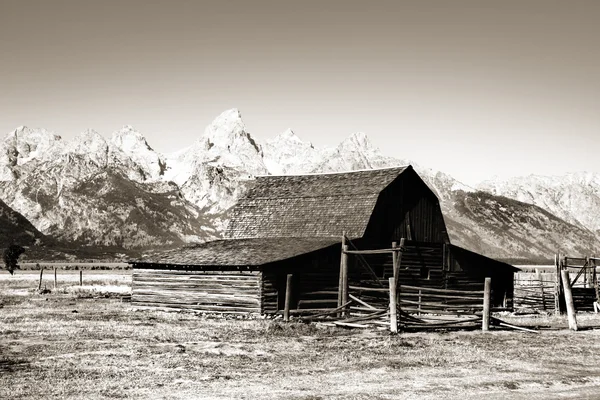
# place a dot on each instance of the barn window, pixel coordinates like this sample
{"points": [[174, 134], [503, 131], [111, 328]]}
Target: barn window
{"points": [[425, 272]]}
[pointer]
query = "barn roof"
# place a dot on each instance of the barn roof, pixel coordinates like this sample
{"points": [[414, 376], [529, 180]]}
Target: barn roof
{"points": [[239, 252], [473, 258], [316, 205]]}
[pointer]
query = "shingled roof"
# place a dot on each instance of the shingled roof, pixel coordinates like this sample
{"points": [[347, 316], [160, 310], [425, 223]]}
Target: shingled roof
{"points": [[312, 206], [241, 252]]}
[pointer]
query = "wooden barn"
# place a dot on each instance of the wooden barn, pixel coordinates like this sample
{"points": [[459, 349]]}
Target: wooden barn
{"points": [[295, 225]]}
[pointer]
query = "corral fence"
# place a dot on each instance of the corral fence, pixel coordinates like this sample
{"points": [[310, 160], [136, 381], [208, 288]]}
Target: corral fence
{"points": [[373, 293], [544, 289]]}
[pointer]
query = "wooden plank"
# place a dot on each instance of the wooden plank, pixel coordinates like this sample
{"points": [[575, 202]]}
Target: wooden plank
{"points": [[485, 322], [393, 306], [344, 280], [433, 290], [288, 298], [569, 300]]}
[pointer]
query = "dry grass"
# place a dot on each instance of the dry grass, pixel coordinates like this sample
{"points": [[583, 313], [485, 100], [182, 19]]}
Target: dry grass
{"points": [[61, 346]]}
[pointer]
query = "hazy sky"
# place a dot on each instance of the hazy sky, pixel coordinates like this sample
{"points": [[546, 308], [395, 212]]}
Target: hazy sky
{"points": [[472, 88]]}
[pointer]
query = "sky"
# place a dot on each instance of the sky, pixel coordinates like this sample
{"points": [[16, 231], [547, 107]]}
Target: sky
{"points": [[475, 89]]}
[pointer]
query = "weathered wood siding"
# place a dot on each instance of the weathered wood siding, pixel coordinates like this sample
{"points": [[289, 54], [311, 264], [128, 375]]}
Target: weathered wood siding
{"points": [[314, 283], [433, 265], [421, 264], [468, 270], [197, 290], [407, 208]]}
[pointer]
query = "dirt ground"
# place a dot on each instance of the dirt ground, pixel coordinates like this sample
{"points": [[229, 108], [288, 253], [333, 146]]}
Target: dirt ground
{"points": [[76, 345]]}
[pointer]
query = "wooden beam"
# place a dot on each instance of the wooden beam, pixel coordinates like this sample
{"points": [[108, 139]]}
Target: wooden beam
{"points": [[556, 284], [340, 280], [569, 300], [398, 261], [487, 295], [345, 280], [395, 262], [366, 265], [393, 307], [41, 276], [359, 301], [288, 298]]}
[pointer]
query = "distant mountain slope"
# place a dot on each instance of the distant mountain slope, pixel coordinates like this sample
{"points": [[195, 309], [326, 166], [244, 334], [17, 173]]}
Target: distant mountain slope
{"points": [[506, 228], [15, 228], [573, 197], [90, 192], [123, 194]]}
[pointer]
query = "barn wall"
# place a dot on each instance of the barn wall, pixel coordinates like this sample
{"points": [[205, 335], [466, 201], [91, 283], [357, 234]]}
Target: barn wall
{"points": [[198, 290], [469, 270], [407, 208], [433, 265], [314, 285]]}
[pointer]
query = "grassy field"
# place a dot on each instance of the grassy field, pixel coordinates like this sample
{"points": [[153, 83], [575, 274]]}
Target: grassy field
{"points": [[82, 344]]}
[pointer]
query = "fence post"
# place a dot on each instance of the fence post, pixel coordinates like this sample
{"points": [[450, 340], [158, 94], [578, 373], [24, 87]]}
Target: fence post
{"points": [[41, 275], [569, 300], [395, 261], [393, 307], [341, 278], [487, 295], [538, 273], [288, 298], [55, 280], [80, 278], [345, 281], [556, 284]]}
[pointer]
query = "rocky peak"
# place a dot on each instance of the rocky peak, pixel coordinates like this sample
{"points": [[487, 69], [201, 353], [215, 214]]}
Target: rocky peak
{"points": [[133, 148], [25, 144], [228, 132], [88, 141], [130, 140], [360, 140], [290, 136], [288, 154]]}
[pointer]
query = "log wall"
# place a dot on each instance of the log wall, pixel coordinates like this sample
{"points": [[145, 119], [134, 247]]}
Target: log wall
{"points": [[202, 291]]}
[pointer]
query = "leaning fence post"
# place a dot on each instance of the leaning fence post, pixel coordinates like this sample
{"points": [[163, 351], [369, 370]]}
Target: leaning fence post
{"points": [[569, 300], [341, 278], [288, 298], [393, 306], [55, 280], [41, 275], [487, 294]]}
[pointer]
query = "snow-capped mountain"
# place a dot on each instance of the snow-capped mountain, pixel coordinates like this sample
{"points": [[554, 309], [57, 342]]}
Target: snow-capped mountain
{"points": [[123, 193], [87, 190], [288, 154], [209, 171], [574, 197]]}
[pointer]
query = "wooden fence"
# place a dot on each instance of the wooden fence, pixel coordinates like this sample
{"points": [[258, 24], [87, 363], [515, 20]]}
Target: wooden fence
{"points": [[543, 290]]}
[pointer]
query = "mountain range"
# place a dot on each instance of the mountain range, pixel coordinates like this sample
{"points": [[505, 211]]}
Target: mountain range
{"points": [[122, 194]]}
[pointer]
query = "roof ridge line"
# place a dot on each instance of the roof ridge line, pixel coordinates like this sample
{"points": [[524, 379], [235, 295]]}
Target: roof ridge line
{"points": [[336, 173], [311, 197]]}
